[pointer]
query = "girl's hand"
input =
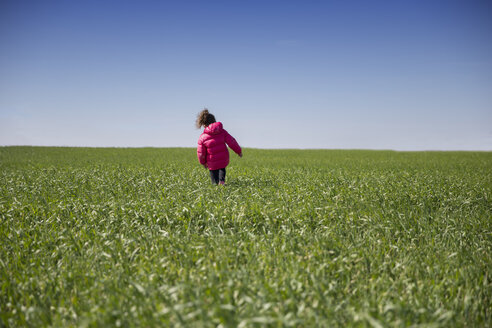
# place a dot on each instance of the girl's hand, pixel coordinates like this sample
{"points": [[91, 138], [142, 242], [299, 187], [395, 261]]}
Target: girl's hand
{"points": [[205, 165], [241, 155]]}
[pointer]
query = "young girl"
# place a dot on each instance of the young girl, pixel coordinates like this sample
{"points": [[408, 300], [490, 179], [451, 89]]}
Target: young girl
{"points": [[212, 150]]}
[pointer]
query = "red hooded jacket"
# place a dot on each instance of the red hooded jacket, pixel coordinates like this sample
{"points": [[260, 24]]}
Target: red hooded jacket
{"points": [[212, 149]]}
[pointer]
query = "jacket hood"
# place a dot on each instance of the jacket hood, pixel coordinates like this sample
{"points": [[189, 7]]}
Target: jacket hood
{"points": [[214, 128]]}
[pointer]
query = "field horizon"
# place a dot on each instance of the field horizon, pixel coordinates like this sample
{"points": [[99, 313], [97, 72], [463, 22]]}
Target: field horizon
{"points": [[111, 236], [256, 148]]}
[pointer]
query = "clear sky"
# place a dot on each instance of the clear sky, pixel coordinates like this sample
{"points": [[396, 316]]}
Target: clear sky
{"points": [[405, 75]]}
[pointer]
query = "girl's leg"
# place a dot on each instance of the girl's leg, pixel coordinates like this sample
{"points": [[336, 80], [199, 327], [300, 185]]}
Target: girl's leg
{"points": [[222, 175], [214, 175]]}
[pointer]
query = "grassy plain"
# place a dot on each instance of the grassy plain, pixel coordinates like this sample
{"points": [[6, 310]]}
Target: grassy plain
{"points": [[139, 237]]}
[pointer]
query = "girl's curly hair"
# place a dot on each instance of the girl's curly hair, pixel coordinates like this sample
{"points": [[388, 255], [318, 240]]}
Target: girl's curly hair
{"points": [[204, 118]]}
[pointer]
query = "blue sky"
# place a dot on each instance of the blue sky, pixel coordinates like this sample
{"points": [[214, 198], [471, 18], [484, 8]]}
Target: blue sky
{"points": [[405, 75]]}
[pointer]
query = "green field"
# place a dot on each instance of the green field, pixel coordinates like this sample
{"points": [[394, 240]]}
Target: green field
{"points": [[303, 238]]}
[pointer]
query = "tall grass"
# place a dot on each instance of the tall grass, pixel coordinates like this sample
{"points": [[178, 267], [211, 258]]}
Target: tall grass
{"points": [[140, 237]]}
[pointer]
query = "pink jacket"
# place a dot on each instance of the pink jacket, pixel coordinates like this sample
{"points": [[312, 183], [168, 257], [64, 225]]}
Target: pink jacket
{"points": [[212, 149]]}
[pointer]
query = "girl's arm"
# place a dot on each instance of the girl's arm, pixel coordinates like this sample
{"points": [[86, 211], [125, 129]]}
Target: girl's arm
{"points": [[232, 143], [201, 152]]}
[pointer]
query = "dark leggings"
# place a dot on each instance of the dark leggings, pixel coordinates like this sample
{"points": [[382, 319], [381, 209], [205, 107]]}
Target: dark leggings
{"points": [[218, 176]]}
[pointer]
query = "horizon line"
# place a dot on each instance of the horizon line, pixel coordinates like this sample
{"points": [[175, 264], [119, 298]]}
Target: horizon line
{"points": [[255, 148]]}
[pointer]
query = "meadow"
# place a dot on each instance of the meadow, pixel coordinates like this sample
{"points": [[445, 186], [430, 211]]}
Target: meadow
{"points": [[93, 237]]}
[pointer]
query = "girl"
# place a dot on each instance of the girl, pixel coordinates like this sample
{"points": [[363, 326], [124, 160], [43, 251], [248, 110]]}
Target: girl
{"points": [[212, 150]]}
